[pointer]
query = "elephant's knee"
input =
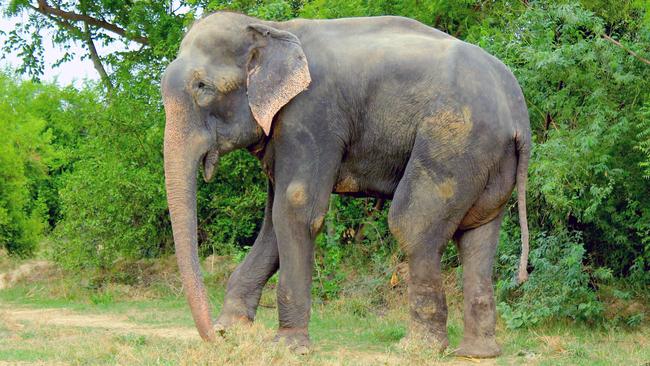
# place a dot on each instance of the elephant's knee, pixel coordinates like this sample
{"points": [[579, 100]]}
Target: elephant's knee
{"points": [[300, 204], [427, 302], [481, 306], [399, 227], [296, 194]]}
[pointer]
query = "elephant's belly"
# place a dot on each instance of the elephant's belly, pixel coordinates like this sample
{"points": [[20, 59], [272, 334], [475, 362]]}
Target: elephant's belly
{"points": [[375, 161], [367, 181]]}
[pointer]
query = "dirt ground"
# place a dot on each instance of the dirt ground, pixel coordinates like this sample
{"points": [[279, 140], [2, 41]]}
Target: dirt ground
{"points": [[109, 323]]}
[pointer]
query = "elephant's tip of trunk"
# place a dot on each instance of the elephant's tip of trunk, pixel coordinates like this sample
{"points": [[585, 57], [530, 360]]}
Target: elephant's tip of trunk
{"points": [[209, 335], [207, 176], [210, 162]]}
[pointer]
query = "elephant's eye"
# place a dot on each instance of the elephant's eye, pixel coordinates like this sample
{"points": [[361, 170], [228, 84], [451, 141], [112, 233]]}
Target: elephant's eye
{"points": [[202, 85], [204, 93]]}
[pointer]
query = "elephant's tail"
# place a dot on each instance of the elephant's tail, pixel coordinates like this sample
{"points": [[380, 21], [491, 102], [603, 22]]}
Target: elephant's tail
{"points": [[522, 141]]}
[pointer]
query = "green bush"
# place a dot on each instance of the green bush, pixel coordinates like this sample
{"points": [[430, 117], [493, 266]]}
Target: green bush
{"points": [[27, 156], [231, 207], [588, 205], [112, 199], [21, 216], [559, 287]]}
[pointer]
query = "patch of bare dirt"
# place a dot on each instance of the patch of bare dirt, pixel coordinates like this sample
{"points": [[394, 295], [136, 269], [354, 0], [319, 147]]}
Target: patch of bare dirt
{"points": [[29, 271], [115, 324]]}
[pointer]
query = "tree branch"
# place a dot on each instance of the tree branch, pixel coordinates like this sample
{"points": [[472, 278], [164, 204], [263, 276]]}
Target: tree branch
{"points": [[97, 62], [644, 60], [61, 23], [45, 9], [87, 38]]}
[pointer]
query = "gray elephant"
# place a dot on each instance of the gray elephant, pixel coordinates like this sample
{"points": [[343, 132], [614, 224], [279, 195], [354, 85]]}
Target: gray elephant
{"points": [[382, 107]]}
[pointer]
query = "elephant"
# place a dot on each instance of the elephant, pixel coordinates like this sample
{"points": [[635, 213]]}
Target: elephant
{"points": [[383, 107]]}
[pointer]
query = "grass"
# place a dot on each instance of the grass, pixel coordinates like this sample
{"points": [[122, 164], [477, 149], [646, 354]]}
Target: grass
{"points": [[124, 325]]}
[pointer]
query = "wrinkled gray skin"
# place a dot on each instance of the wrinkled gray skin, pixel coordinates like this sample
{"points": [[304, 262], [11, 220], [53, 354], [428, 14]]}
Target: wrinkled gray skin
{"points": [[382, 107]]}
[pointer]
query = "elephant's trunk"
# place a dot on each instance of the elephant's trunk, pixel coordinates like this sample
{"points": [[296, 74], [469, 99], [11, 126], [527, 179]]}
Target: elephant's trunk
{"points": [[181, 165]]}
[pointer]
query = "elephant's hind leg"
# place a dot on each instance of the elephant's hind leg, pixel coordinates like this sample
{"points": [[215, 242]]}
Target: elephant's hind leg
{"points": [[477, 240], [477, 249], [427, 207]]}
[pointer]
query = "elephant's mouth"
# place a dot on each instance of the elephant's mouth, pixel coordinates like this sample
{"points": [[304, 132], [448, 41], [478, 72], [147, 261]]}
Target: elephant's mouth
{"points": [[210, 161]]}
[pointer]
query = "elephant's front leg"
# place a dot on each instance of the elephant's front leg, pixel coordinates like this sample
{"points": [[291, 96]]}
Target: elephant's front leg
{"points": [[298, 215], [247, 281], [305, 168]]}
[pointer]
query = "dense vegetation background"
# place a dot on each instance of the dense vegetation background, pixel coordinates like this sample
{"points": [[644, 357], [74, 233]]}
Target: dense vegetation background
{"points": [[81, 176]]}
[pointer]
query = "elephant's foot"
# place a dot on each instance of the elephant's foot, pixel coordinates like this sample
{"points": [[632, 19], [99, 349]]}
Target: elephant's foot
{"points": [[297, 339], [420, 335], [428, 310], [438, 345], [234, 311], [227, 320], [478, 348]]}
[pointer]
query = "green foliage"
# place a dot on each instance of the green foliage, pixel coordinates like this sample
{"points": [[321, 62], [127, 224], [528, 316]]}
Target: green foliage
{"points": [[232, 207], [33, 121], [355, 252], [544, 296], [644, 138], [115, 186], [155, 21], [21, 220], [454, 17]]}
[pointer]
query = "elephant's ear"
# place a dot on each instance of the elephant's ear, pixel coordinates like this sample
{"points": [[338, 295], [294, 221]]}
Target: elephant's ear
{"points": [[277, 72]]}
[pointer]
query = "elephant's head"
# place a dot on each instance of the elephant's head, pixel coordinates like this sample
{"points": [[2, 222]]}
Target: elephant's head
{"points": [[232, 75]]}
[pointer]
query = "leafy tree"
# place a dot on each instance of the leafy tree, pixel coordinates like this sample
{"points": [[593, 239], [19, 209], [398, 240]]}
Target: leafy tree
{"points": [[26, 155], [154, 26]]}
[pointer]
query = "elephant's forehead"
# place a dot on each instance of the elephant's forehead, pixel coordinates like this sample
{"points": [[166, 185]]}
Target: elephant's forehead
{"points": [[217, 36]]}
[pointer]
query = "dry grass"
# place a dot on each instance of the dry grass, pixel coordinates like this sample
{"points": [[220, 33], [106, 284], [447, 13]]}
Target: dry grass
{"points": [[62, 336], [51, 321]]}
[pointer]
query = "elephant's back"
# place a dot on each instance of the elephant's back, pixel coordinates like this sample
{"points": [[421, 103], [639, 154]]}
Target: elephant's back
{"points": [[346, 27], [363, 54], [362, 43]]}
